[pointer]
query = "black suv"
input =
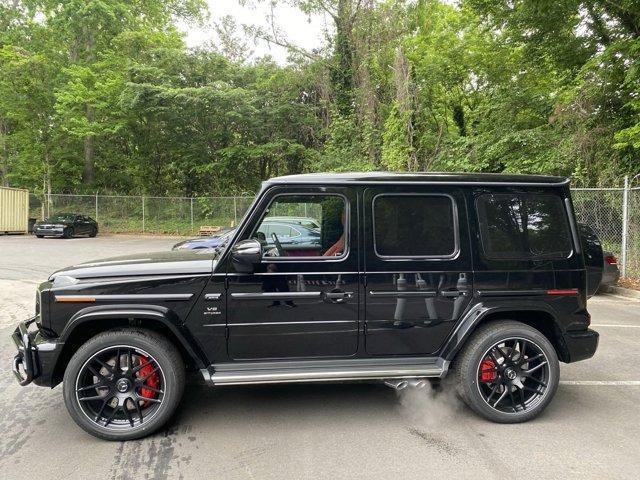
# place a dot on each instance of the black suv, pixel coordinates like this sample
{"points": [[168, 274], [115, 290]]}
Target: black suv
{"points": [[416, 276]]}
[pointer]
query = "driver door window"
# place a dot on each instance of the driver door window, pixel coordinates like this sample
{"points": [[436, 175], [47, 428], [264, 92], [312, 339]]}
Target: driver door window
{"points": [[304, 226]]}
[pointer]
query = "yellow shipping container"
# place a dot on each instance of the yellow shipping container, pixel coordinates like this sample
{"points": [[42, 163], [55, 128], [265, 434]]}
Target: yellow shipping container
{"points": [[14, 210]]}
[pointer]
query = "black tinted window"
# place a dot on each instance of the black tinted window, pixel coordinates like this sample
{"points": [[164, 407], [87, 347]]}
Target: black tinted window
{"points": [[523, 226], [414, 226]]}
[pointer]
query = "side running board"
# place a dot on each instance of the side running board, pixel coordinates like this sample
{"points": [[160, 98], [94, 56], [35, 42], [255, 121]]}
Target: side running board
{"points": [[244, 373]]}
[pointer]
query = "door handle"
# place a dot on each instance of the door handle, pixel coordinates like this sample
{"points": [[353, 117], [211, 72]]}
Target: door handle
{"points": [[338, 296], [454, 293]]}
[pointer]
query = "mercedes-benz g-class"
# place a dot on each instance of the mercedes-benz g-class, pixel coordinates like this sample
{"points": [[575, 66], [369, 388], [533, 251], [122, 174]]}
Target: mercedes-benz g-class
{"points": [[409, 277]]}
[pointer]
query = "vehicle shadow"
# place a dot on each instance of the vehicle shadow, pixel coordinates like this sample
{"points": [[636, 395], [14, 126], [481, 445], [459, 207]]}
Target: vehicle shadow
{"points": [[286, 400]]}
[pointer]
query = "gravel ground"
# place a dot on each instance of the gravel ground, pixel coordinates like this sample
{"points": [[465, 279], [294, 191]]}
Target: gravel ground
{"points": [[590, 430]]}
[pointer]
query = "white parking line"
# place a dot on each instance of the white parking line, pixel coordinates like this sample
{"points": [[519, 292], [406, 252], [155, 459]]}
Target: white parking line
{"points": [[624, 383], [617, 326]]}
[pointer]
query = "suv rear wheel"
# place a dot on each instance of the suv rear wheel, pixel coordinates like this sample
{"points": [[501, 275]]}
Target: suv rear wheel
{"points": [[508, 372], [124, 384]]}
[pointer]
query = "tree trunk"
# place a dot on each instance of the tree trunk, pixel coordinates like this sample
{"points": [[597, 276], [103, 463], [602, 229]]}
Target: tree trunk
{"points": [[459, 119], [46, 185], [89, 173], [405, 101], [89, 167], [342, 74]]}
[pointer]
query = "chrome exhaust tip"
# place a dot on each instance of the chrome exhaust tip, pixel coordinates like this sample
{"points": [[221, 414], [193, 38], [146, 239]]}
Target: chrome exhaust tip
{"points": [[418, 383], [397, 384]]}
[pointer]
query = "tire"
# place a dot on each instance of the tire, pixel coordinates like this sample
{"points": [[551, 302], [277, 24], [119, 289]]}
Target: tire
{"points": [[94, 232], [490, 382], [40, 236], [119, 417], [67, 232]]}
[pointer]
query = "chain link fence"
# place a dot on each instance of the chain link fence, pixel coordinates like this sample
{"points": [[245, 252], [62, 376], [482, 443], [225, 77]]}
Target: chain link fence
{"points": [[160, 215], [632, 259], [614, 214]]}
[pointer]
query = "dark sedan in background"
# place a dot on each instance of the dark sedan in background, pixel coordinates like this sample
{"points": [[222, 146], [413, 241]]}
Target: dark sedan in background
{"points": [[66, 225]]}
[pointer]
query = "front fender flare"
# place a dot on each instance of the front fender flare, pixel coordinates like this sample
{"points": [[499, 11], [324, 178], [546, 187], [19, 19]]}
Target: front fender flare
{"points": [[150, 313]]}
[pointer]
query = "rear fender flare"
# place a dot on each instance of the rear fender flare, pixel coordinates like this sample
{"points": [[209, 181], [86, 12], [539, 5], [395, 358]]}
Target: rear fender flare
{"points": [[479, 312]]}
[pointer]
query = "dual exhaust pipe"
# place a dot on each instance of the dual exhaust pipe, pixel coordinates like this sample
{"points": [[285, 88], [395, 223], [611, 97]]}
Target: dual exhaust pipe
{"points": [[402, 383]]}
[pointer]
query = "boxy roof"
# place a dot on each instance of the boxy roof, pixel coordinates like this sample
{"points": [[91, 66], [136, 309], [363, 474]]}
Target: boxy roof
{"points": [[421, 177]]}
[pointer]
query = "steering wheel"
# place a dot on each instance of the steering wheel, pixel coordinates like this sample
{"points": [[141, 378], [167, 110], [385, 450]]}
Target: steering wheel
{"points": [[278, 244]]}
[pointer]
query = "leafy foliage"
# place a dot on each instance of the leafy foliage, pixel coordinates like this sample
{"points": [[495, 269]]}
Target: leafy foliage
{"points": [[105, 96]]}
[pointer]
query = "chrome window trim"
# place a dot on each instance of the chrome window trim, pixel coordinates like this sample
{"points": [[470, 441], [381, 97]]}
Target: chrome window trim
{"points": [[321, 258], [275, 295], [483, 238]]}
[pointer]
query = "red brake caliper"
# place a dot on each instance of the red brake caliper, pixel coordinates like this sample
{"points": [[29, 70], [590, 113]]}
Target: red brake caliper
{"points": [[487, 370], [153, 380]]}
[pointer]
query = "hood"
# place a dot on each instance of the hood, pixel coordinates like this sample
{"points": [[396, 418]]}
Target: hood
{"points": [[160, 263]]}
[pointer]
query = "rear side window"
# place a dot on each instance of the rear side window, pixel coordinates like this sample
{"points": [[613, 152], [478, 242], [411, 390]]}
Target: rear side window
{"points": [[523, 226], [414, 226]]}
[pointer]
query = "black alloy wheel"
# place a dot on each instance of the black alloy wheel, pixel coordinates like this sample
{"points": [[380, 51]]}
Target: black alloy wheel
{"points": [[124, 384], [513, 375], [507, 372], [120, 386], [94, 232], [68, 232]]}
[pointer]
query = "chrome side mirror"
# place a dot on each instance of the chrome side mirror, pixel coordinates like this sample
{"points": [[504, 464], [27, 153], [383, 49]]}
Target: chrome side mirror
{"points": [[246, 254]]}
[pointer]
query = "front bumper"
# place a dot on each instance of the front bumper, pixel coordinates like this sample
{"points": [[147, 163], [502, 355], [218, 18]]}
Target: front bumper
{"points": [[36, 357], [580, 345], [48, 232]]}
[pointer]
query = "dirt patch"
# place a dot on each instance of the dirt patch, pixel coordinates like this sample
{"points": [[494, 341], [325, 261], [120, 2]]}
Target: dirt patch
{"points": [[632, 283]]}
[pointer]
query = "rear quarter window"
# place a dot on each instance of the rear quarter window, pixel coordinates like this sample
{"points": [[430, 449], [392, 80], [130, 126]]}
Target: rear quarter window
{"points": [[523, 226]]}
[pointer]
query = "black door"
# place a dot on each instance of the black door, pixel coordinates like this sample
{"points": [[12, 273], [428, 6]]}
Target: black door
{"points": [[417, 268], [81, 225], [302, 300]]}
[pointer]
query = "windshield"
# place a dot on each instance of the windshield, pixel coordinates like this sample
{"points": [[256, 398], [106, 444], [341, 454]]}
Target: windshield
{"points": [[61, 217]]}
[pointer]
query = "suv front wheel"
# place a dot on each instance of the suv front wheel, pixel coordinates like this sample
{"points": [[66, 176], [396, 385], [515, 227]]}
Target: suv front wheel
{"points": [[124, 384], [508, 372]]}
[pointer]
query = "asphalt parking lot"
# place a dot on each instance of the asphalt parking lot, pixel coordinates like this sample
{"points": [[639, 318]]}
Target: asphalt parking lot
{"points": [[591, 429]]}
